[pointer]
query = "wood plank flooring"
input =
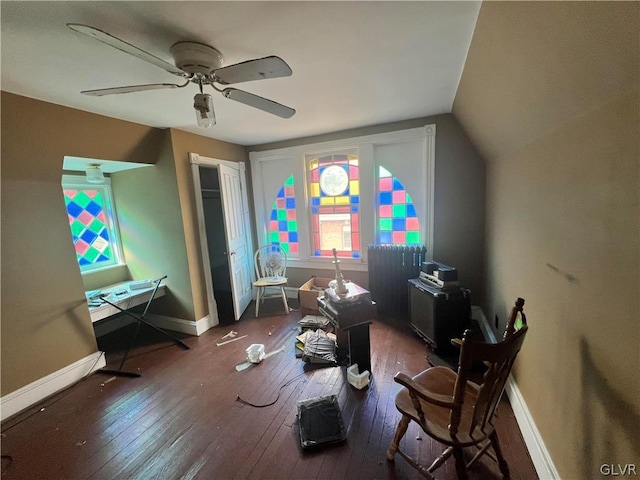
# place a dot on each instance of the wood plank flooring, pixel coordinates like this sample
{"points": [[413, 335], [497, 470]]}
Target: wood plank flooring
{"points": [[181, 419]]}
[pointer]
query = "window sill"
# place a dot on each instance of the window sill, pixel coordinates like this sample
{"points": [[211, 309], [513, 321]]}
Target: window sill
{"points": [[345, 264]]}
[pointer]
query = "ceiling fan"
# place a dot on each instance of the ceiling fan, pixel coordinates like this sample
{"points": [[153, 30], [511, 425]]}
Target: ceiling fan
{"points": [[200, 64]]}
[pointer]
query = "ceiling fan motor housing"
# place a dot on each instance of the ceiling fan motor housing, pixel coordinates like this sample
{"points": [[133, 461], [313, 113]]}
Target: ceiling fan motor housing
{"points": [[196, 58]]}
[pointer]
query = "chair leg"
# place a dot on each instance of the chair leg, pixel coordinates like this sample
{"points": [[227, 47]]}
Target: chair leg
{"points": [[437, 463], [258, 296], [284, 300], [502, 463], [400, 431], [461, 466]]}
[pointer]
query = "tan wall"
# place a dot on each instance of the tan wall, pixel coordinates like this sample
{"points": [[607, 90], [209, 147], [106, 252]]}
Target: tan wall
{"points": [[549, 95], [184, 143], [45, 319], [458, 199], [153, 239]]}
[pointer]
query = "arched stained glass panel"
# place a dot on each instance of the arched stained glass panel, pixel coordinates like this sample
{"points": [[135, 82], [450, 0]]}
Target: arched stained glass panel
{"points": [[335, 200], [397, 220], [283, 224]]}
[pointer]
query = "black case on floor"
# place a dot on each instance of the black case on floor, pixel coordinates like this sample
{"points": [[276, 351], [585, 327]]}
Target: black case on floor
{"points": [[438, 315]]}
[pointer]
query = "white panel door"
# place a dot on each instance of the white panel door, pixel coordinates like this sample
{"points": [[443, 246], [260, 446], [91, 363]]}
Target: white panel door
{"points": [[238, 254]]}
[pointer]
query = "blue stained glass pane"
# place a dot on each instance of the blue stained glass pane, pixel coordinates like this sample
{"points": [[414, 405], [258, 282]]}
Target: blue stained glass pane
{"points": [[104, 233], [102, 258], [411, 210], [74, 209], [282, 225], [88, 236], [93, 208], [386, 198], [355, 254], [316, 253], [293, 236], [315, 201], [354, 209], [385, 237], [397, 185], [290, 203], [399, 224], [280, 193], [314, 209], [274, 214], [83, 261], [355, 199]]}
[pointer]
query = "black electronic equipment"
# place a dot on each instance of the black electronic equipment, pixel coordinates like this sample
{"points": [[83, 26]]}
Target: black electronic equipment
{"points": [[438, 314]]}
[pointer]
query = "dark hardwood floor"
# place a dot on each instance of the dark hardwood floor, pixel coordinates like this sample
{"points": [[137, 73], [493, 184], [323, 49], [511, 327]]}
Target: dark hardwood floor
{"points": [[181, 419]]}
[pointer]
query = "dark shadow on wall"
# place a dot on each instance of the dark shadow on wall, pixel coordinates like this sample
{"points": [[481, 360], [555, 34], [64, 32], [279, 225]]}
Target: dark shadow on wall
{"points": [[619, 416]]}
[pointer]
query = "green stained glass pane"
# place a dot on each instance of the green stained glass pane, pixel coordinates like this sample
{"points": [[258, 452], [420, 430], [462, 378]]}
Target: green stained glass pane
{"points": [[82, 199], [96, 226], [409, 199], [413, 238], [274, 237], [282, 214], [399, 211], [107, 252], [77, 228], [292, 225], [91, 254], [285, 246], [386, 224], [289, 182]]}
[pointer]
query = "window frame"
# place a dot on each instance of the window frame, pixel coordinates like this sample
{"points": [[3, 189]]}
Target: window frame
{"points": [[269, 165], [79, 182]]}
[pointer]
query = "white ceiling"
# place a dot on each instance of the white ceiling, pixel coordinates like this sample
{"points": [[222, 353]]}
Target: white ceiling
{"points": [[354, 63]]}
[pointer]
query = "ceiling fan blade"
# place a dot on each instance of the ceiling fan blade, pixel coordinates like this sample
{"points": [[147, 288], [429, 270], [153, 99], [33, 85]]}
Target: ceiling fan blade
{"points": [[131, 88], [260, 103], [258, 69], [124, 47]]}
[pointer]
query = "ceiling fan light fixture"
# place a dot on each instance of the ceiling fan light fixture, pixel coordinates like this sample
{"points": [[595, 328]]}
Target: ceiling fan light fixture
{"points": [[94, 174], [203, 105]]}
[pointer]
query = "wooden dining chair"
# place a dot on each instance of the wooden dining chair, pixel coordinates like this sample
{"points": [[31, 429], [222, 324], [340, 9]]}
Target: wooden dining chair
{"points": [[271, 268], [455, 411]]}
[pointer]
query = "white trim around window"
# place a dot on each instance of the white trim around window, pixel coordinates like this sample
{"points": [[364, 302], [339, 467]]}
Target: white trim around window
{"points": [[410, 154]]}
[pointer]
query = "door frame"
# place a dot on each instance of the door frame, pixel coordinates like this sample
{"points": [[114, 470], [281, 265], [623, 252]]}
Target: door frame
{"points": [[197, 161]]}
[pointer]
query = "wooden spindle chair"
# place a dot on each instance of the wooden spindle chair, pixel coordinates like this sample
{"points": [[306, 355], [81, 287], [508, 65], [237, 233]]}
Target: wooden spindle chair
{"points": [[455, 411]]}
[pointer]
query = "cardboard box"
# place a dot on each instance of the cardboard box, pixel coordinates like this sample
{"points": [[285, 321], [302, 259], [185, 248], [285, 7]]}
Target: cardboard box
{"points": [[309, 292]]}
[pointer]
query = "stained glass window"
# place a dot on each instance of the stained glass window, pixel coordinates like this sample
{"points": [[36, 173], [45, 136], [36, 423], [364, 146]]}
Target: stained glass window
{"points": [[90, 220], [335, 200], [397, 220], [283, 224]]}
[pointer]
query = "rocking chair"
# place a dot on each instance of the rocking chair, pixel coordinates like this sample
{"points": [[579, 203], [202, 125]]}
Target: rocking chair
{"points": [[452, 409]]}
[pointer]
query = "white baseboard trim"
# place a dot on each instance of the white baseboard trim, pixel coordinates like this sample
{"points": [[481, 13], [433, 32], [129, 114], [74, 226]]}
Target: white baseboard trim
{"points": [[190, 327], [291, 292], [42, 388], [533, 440], [537, 450]]}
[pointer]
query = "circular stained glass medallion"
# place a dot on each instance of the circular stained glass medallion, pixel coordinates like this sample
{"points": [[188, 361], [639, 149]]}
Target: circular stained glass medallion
{"points": [[334, 180]]}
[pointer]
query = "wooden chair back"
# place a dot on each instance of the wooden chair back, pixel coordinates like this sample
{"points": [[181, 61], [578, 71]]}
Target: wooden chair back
{"points": [[270, 261], [498, 359]]}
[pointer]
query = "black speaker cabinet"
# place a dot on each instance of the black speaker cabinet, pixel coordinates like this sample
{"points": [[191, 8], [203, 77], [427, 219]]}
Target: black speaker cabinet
{"points": [[438, 315]]}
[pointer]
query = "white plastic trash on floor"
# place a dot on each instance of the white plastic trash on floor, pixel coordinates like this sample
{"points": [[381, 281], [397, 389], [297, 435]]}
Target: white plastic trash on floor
{"points": [[255, 352], [357, 379]]}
